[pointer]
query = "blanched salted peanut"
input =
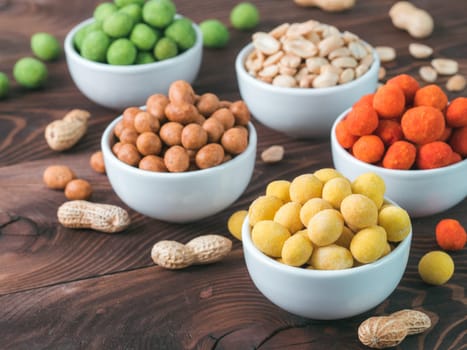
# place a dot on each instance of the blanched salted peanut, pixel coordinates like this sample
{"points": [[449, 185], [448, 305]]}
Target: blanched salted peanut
{"points": [[386, 53], [176, 159], [207, 104], [288, 215], [235, 140], [241, 112], [273, 154], [128, 154], [97, 162], [381, 73], [296, 250], [329, 44], [428, 74], [368, 244], [325, 227], [129, 115], [144, 121], [209, 155], [265, 43], [225, 116], [300, 47], [456, 83], [128, 135], [420, 51], [181, 91], [269, 237], [78, 189], [152, 163], [155, 104], [194, 136], [214, 129], [445, 66], [56, 177], [181, 112], [331, 257], [284, 81], [148, 143], [326, 80], [171, 133]]}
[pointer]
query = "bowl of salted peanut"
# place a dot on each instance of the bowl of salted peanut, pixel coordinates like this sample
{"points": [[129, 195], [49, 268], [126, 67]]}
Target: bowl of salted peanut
{"points": [[325, 247], [299, 77], [182, 156]]}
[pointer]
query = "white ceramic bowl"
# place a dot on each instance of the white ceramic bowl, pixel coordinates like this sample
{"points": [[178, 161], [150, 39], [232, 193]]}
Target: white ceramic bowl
{"points": [[118, 87], [325, 295], [300, 112], [179, 197], [420, 192]]}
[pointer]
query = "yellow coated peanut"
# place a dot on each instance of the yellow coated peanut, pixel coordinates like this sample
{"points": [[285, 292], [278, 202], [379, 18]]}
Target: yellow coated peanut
{"points": [[288, 215], [331, 257], [269, 237], [304, 187], [325, 227], [395, 221], [296, 250], [235, 222], [263, 208], [368, 244]]}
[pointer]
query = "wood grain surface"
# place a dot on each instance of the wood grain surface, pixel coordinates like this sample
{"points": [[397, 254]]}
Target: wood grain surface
{"points": [[80, 289]]}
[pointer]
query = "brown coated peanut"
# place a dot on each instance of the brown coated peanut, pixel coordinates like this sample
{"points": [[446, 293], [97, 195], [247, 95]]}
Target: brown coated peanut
{"points": [[78, 189], [176, 159], [97, 162], [171, 133], [181, 91], [194, 136], [56, 177], [148, 143], [128, 154], [235, 140], [152, 163], [144, 121], [207, 104], [209, 156], [155, 104]]}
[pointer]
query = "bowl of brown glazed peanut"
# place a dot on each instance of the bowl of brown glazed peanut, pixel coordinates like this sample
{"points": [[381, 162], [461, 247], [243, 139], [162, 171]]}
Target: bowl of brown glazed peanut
{"points": [[181, 157], [298, 78]]}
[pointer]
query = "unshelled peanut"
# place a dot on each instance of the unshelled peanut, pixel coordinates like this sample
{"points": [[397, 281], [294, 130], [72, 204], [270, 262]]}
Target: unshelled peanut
{"points": [[64, 133], [203, 249], [96, 216], [380, 332], [328, 5]]}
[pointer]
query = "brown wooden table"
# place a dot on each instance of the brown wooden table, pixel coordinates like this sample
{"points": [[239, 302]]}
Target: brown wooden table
{"points": [[80, 289]]}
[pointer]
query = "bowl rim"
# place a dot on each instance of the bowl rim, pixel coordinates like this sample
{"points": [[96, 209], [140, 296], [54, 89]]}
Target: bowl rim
{"points": [[240, 68], [326, 274], [71, 52], [107, 152], [411, 173]]}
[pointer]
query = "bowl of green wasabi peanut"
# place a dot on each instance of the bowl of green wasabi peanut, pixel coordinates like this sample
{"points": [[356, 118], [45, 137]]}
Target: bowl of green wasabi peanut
{"points": [[127, 52]]}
